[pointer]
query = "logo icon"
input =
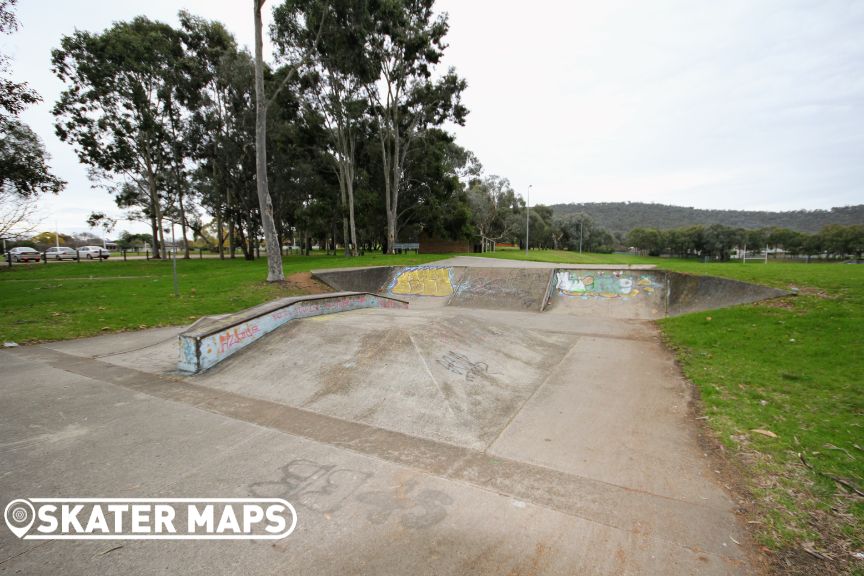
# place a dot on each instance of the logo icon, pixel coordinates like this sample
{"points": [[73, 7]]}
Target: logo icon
{"points": [[19, 515]]}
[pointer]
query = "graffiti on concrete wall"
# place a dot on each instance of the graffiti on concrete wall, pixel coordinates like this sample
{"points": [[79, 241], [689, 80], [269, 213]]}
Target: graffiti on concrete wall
{"points": [[213, 348], [231, 338], [423, 281], [604, 284]]}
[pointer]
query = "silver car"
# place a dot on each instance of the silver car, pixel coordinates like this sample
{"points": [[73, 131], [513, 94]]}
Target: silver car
{"points": [[60, 253], [24, 254], [91, 252]]}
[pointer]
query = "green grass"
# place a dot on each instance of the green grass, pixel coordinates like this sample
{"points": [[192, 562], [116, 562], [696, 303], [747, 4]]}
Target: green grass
{"points": [[793, 366], [61, 301]]}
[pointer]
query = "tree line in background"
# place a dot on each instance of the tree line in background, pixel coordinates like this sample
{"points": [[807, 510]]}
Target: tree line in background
{"points": [[625, 216], [718, 242]]}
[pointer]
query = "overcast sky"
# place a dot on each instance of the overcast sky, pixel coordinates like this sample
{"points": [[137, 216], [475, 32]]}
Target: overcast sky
{"points": [[740, 104]]}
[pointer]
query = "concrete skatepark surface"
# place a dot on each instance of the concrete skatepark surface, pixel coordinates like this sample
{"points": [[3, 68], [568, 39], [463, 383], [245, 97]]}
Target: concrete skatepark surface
{"points": [[433, 440]]}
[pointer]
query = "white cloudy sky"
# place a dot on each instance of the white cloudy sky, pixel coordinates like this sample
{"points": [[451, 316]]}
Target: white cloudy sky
{"points": [[744, 104]]}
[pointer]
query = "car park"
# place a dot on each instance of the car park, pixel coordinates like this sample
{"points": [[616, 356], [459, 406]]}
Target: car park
{"points": [[24, 254], [91, 252], [61, 253]]}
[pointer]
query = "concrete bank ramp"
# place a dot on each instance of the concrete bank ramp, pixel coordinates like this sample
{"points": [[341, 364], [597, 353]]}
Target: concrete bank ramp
{"points": [[639, 294], [502, 289], [691, 293], [613, 292]]}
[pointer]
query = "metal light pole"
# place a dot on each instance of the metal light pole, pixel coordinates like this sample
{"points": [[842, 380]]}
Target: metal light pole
{"points": [[527, 218], [174, 261], [580, 236]]}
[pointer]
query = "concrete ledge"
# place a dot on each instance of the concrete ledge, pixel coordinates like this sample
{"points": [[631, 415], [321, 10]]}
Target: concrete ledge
{"points": [[208, 342]]}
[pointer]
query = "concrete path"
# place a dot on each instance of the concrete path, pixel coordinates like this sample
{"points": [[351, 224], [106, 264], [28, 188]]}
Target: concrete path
{"points": [[436, 441]]}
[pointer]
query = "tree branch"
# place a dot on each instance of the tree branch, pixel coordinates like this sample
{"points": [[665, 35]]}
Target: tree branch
{"points": [[305, 60]]}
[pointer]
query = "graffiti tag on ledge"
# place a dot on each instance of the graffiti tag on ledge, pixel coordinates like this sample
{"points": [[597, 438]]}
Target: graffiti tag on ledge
{"points": [[233, 337]]}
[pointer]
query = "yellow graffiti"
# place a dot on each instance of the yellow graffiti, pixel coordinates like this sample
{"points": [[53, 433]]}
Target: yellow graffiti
{"points": [[424, 282]]}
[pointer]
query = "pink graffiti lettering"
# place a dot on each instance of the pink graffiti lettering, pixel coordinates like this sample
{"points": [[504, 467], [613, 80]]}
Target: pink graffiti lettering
{"points": [[231, 338]]}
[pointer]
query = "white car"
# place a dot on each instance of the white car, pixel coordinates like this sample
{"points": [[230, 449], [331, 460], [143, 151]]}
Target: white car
{"points": [[91, 252], [60, 253], [24, 254]]}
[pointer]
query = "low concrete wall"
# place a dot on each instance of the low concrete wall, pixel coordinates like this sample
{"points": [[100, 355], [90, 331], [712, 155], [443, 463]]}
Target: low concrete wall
{"points": [[502, 288], [437, 246], [208, 343]]}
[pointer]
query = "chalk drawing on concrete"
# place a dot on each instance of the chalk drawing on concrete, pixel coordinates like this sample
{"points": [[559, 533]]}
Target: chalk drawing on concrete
{"points": [[423, 281], [313, 485], [603, 284], [416, 509]]}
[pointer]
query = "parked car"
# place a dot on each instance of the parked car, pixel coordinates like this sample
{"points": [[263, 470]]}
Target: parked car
{"points": [[91, 252], [24, 254], [60, 253]]}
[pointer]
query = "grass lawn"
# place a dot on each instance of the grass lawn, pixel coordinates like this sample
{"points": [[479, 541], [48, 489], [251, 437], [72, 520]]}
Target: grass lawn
{"points": [[68, 300], [793, 367]]}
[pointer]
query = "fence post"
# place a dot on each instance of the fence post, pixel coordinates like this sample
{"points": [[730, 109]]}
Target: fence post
{"points": [[77, 256], [45, 257], [147, 254], [124, 255]]}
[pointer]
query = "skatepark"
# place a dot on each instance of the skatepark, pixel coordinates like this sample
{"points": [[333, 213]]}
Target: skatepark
{"points": [[471, 416]]}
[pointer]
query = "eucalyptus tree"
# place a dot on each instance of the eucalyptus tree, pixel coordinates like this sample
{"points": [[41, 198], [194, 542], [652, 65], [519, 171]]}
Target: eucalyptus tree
{"points": [[221, 130], [330, 33], [404, 41], [24, 170], [493, 203], [112, 109], [262, 102]]}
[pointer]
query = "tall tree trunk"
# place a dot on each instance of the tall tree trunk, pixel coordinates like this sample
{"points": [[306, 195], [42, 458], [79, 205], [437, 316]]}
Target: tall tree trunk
{"points": [[231, 238], [220, 234], [241, 237], [343, 201], [351, 225], [158, 237], [274, 255], [155, 228], [180, 181]]}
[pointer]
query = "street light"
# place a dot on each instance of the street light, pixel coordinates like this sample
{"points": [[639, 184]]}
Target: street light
{"points": [[174, 260], [527, 218], [580, 236]]}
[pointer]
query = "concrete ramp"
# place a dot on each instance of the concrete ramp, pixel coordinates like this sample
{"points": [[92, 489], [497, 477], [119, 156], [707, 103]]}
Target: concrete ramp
{"points": [[609, 293], [502, 289], [372, 279], [690, 293], [612, 292]]}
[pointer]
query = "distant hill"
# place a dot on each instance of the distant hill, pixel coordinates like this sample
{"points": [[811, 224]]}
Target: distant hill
{"points": [[624, 216]]}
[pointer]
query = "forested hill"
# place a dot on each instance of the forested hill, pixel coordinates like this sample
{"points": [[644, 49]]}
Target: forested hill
{"points": [[624, 216]]}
